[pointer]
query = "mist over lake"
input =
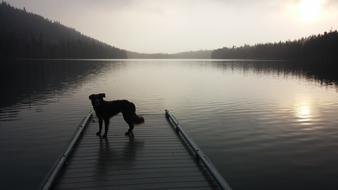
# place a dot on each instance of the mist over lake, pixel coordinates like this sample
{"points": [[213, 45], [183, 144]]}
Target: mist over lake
{"points": [[264, 124]]}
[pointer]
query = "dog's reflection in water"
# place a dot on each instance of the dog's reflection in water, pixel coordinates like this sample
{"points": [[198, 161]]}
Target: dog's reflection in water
{"points": [[112, 157]]}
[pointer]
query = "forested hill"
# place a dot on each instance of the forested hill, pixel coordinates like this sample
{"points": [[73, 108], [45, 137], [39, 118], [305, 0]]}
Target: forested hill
{"points": [[27, 35], [316, 47]]}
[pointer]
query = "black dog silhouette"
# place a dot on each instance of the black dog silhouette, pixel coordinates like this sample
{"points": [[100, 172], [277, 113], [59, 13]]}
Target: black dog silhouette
{"points": [[106, 109]]}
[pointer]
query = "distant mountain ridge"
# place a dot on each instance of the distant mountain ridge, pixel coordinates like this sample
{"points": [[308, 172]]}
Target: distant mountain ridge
{"points": [[27, 35], [201, 54]]}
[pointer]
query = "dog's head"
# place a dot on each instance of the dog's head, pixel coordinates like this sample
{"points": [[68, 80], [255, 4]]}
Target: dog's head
{"points": [[97, 99]]}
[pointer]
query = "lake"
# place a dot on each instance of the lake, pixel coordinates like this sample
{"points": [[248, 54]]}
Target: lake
{"points": [[264, 124]]}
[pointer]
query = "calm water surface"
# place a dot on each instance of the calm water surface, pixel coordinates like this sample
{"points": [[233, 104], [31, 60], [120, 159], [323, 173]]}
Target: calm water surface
{"points": [[263, 125]]}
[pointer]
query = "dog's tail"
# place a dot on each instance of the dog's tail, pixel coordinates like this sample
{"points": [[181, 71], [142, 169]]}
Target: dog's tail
{"points": [[135, 118], [138, 119]]}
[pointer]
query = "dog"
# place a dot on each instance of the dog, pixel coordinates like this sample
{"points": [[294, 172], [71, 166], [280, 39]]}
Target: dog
{"points": [[106, 109]]}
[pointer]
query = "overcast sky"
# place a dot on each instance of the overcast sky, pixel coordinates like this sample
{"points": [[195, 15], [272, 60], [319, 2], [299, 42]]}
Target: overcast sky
{"points": [[170, 26]]}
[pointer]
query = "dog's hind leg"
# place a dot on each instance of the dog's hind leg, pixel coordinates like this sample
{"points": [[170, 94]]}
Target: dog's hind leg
{"points": [[106, 126], [128, 118], [100, 127], [130, 130]]}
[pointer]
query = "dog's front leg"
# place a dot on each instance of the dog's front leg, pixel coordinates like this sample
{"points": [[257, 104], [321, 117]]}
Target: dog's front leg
{"points": [[100, 127], [106, 125]]}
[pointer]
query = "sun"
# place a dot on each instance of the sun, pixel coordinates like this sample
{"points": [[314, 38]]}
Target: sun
{"points": [[310, 10]]}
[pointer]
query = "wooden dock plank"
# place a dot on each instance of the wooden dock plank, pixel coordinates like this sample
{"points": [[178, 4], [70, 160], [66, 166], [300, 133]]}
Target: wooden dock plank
{"points": [[156, 158]]}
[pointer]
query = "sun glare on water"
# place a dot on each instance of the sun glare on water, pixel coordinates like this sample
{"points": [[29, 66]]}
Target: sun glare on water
{"points": [[303, 111]]}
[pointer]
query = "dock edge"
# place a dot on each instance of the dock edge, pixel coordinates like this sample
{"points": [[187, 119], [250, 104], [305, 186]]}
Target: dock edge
{"points": [[200, 156], [55, 170]]}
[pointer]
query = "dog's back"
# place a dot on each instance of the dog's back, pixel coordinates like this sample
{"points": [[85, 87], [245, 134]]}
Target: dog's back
{"points": [[128, 109], [121, 106]]}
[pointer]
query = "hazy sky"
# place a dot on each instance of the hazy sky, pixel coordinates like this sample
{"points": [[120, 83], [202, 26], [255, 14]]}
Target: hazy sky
{"points": [[181, 25]]}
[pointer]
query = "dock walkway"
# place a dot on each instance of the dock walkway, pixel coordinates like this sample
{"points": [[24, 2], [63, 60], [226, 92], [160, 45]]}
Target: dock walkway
{"points": [[155, 158]]}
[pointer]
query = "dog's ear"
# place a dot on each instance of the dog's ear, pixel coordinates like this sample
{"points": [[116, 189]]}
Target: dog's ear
{"points": [[91, 96], [102, 95]]}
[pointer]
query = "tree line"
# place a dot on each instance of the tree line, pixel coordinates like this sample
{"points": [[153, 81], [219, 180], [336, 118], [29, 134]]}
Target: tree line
{"points": [[322, 47], [27, 35]]}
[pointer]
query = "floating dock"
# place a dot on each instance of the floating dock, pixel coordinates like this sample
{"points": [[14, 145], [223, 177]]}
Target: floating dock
{"points": [[159, 156]]}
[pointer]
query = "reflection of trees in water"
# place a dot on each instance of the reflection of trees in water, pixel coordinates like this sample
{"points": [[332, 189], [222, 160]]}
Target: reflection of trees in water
{"points": [[36, 80], [324, 75]]}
